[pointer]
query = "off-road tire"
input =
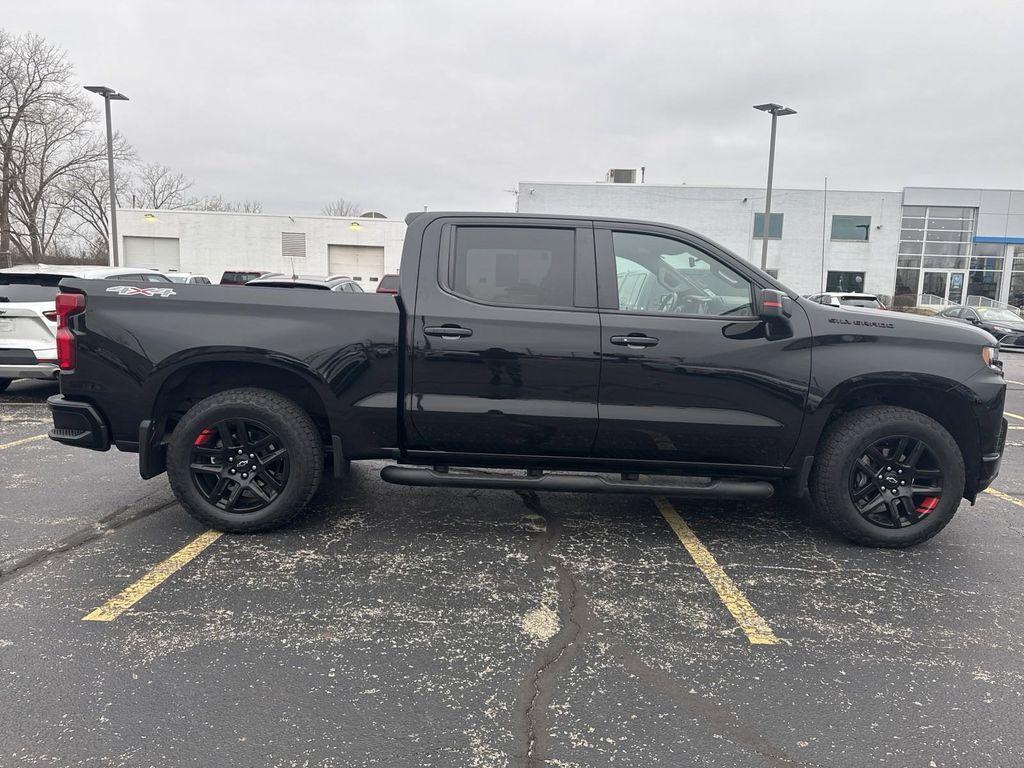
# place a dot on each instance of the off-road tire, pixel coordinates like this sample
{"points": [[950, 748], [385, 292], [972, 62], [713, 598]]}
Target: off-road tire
{"points": [[845, 441], [291, 424]]}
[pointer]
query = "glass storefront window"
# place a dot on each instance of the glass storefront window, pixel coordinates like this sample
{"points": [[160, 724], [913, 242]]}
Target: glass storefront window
{"points": [[1016, 276], [945, 262], [905, 294], [981, 283], [936, 241]]}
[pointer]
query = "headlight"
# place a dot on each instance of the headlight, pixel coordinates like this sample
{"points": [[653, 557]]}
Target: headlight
{"points": [[1002, 329], [991, 357]]}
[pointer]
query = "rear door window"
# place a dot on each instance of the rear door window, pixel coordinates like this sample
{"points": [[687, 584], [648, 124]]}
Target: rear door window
{"points": [[514, 266], [12, 292]]}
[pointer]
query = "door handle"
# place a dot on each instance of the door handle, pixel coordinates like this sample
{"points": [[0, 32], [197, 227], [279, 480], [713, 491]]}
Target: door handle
{"points": [[634, 341], [449, 332]]}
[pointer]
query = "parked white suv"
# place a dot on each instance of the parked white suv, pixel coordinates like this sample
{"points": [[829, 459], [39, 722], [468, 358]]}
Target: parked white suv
{"points": [[28, 317], [848, 299]]}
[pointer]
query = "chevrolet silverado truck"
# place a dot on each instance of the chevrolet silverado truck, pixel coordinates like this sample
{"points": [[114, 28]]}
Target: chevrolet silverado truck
{"points": [[543, 353]]}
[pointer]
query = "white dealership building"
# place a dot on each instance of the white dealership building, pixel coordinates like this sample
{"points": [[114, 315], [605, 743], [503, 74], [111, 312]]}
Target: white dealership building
{"points": [[209, 243], [919, 244]]}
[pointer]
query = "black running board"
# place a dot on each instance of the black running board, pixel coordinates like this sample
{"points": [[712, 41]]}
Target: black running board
{"points": [[716, 489]]}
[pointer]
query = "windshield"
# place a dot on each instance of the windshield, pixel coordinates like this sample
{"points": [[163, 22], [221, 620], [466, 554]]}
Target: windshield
{"points": [[995, 314], [177, 278]]}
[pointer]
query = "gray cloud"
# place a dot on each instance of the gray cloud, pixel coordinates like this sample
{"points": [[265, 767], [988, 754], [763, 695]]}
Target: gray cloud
{"points": [[401, 105]]}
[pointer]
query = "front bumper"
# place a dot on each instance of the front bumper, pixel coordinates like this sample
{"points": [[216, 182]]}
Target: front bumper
{"points": [[990, 461], [78, 424]]}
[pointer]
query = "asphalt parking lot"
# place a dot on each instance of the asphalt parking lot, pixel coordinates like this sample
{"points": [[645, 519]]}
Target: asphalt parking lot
{"points": [[420, 627]]}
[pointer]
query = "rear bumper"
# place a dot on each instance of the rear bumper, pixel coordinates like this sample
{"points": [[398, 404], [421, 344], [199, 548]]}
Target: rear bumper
{"points": [[78, 424], [25, 366]]}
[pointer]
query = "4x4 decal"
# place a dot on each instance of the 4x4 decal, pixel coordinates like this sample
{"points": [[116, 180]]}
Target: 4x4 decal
{"points": [[131, 290]]}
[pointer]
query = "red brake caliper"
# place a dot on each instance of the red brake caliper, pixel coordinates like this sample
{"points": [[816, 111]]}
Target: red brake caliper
{"points": [[927, 505], [205, 437]]}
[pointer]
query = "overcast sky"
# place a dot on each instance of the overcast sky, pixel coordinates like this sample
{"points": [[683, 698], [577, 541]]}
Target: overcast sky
{"points": [[450, 104]]}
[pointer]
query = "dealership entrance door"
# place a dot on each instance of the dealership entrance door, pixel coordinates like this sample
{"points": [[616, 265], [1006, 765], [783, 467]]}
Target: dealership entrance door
{"points": [[945, 283]]}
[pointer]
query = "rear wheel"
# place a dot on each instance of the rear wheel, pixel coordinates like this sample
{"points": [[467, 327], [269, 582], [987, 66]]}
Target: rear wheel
{"points": [[245, 460], [887, 477], [5, 383]]}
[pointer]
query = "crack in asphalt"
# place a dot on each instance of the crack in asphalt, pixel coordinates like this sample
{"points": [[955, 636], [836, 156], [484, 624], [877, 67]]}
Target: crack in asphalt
{"points": [[97, 530], [704, 709], [538, 686]]}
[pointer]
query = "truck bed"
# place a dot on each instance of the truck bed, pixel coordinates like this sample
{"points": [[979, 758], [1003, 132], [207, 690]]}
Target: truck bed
{"points": [[138, 342]]}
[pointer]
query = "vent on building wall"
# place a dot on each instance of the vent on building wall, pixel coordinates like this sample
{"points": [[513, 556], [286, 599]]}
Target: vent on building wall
{"points": [[293, 245], [621, 176]]}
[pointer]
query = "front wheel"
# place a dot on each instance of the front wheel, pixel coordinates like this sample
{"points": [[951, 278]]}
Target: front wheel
{"points": [[887, 477], [245, 460]]}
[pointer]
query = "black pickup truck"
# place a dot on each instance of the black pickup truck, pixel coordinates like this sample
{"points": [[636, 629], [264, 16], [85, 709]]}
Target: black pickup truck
{"points": [[584, 354]]}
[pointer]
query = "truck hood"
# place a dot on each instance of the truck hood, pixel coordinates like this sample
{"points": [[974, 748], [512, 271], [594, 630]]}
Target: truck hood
{"points": [[894, 325]]}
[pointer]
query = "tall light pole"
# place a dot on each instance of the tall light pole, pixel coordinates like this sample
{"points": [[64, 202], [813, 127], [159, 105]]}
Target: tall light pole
{"points": [[776, 111], [109, 94]]}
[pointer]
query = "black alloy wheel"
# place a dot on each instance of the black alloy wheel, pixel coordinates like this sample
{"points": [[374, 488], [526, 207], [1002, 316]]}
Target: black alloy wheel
{"points": [[239, 465], [896, 482]]}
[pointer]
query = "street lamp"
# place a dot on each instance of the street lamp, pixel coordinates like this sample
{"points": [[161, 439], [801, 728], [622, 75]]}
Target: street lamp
{"points": [[109, 94], [776, 111]]}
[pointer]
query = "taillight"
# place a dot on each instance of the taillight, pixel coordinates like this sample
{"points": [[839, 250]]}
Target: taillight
{"points": [[68, 304]]}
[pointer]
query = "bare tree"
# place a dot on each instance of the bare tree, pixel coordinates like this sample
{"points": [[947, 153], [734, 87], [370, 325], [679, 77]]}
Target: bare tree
{"points": [[89, 198], [35, 83], [157, 186], [45, 161], [218, 203], [341, 207]]}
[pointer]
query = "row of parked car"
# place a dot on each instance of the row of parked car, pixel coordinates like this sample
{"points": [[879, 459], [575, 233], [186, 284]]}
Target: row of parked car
{"points": [[1005, 324], [28, 317]]}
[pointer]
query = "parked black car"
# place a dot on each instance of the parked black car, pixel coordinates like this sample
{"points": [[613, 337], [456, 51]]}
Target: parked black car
{"points": [[631, 351], [1006, 325]]}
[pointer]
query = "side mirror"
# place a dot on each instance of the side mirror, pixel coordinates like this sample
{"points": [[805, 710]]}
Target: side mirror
{"points": [[771, 304]]}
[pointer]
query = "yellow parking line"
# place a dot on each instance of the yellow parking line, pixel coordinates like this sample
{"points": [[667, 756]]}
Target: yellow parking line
{"points": [[1013, 415], [21, 442], [128, 597], [757, 630], [1005, 497]]}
